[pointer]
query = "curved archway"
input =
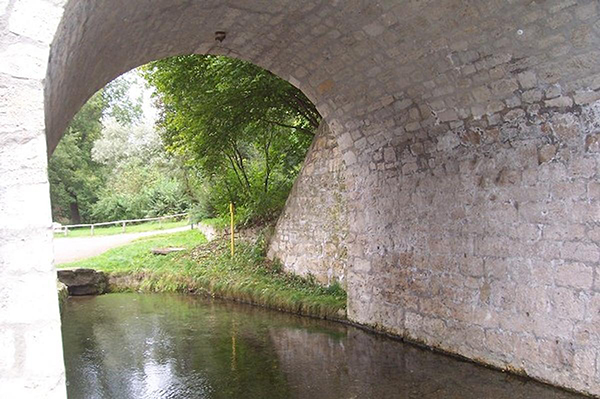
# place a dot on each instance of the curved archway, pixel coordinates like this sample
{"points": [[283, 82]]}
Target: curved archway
{"points": [[97, 42], [468, 129]]}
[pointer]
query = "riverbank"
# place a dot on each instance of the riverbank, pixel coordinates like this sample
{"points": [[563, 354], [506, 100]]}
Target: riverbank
{"points": [[208, 269]]}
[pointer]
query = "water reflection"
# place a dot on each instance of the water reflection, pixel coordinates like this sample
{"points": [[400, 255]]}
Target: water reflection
{"points": [[167, 346]]}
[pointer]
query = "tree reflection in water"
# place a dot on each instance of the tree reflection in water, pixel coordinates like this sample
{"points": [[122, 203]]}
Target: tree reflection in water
{"points": [[170, 346]]}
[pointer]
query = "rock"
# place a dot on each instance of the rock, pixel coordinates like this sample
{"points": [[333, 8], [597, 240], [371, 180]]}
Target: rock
{"points": [[63, 293], [546, 153], [209, 231], [83, 281], [166, 251]]}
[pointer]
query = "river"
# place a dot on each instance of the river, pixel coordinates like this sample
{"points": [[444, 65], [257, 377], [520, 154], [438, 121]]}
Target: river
{"points": [[122, 346]]}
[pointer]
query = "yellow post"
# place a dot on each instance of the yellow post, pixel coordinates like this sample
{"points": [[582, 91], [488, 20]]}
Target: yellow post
{"points": [[232, 232]]}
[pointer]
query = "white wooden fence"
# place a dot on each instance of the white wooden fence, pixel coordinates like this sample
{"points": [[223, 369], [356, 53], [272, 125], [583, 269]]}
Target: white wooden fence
{"points": [[123, 223]]}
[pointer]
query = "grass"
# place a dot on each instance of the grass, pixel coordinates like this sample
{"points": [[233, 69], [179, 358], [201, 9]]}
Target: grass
{"points": [[131, 228], [208, 268]]}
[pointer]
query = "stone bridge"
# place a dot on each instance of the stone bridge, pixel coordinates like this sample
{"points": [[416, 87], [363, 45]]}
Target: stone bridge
{"points": [[455, 189]]}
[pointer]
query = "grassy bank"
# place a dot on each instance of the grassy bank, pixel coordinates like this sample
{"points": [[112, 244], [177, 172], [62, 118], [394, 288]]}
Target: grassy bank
{"points": [[131, 228], [207, 268]]}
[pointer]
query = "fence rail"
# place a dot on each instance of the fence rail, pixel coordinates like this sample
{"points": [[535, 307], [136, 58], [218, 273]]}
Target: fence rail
{"points": [[65, 228]]}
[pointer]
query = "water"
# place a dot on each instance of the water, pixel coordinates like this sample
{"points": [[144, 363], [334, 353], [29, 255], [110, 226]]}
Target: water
{"points": [[122, 346]]}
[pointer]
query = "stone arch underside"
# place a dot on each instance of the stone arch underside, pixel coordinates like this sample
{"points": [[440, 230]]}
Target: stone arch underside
{"points": [[467, 137]]}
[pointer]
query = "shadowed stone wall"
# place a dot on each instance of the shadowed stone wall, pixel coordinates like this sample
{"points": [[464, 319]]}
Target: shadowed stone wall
{"points": [[312, 232], [476, 226], [468, 131], [492, 252]]}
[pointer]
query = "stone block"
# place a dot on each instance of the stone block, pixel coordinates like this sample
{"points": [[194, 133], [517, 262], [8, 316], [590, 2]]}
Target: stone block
{"points": [[560, 102], [575, 275], [19, 292], [447, 115], [35, 19], [547, 153], [532, 96], [553, 91], [20, 206], [24, 60], [504, 87], [568, 304], [580, 252], [43, 349], [482, 94], [586, 97], [527, 79], [83, 281]]}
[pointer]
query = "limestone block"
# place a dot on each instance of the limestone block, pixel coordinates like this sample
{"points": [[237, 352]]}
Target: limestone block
{"points": [[527, 79], [559, 102], [83, 281], [20, 206], [575, 275], [42, 351], [19, 292], [24, 60], [35, 19], [21, 108]]}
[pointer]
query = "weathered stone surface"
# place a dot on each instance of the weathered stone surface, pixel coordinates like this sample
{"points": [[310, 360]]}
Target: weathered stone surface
{"points": [[311, 235], [83, 281], [210, 232], [546, 153], [31, 364], [460, 232]]}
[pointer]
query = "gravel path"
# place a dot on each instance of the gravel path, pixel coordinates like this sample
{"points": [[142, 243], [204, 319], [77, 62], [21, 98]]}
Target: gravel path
{"points": [[71, 249]]}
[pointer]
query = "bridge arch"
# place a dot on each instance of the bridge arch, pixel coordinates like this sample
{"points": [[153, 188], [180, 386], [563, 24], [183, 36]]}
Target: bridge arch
{"points": [[468, 133]]}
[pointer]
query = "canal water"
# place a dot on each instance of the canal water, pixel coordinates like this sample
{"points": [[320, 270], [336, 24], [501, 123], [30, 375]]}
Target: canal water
{"points": [[122, 346]]}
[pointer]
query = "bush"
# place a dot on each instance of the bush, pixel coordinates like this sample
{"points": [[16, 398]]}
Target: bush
{"points": [[160, 197]]}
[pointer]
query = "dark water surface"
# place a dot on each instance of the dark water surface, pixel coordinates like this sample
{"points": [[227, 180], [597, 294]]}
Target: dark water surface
{"points": [[123, 346]]}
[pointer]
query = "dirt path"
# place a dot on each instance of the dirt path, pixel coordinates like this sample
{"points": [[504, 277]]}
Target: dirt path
{"points": [[71, 249]]}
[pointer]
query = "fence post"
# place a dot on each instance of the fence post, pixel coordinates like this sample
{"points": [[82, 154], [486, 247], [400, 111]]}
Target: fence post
{"points": [[92, 229], [124, 223], [66, 231]]}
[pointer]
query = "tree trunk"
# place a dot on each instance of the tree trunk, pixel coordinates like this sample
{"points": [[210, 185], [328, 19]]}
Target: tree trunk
{"points": [[75, 216]]}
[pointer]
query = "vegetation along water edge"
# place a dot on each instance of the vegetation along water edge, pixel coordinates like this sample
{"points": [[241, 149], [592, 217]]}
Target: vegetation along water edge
{"points": [[208, 268]]}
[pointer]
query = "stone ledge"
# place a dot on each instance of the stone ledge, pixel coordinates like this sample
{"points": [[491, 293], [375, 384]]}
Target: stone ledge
{"points": [[83, 281]]}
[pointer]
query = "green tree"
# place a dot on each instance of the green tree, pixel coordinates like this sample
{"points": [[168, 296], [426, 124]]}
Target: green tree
{"points": [[243, 128], [75, 177], [119, 143], [119, 105]]}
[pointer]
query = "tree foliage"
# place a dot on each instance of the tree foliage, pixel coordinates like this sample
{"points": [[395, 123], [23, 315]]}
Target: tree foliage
{"points": [[119, 142], [229, 132], [243, 129], [138, 188], [74, 177]]}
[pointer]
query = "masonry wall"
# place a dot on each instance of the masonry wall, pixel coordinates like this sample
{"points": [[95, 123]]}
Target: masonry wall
{"points": [[311, 233], [468, 131], [492, 252], [31, 362], [477, 225]]}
